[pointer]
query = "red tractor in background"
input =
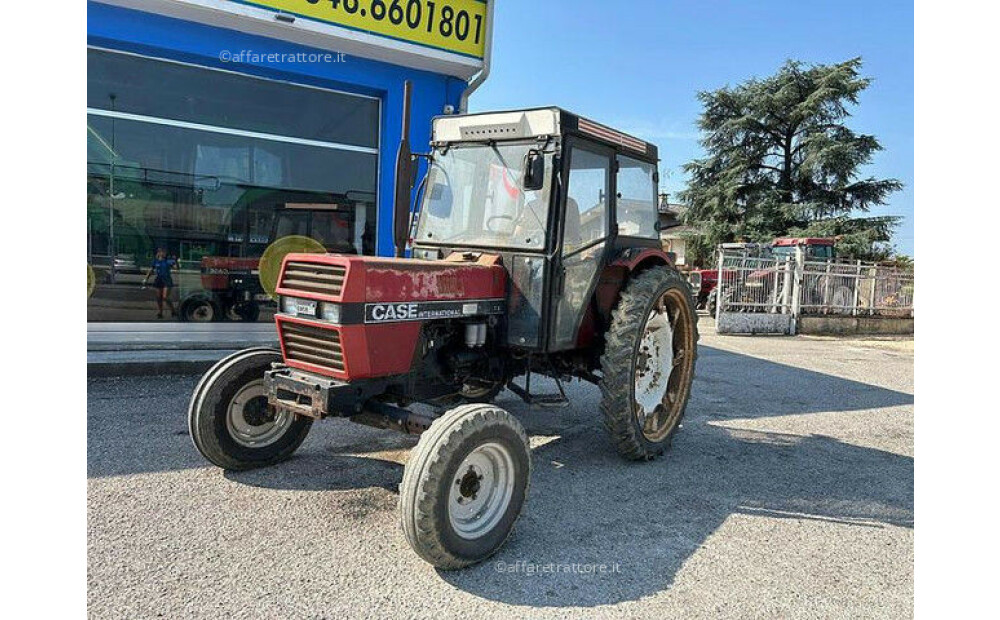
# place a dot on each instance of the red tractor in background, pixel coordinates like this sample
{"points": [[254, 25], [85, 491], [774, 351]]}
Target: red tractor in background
{"points": [[705, 281], [524, 262], [231, 289]]}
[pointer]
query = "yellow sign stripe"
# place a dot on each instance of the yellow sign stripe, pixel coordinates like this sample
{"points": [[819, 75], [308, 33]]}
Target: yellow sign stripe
{"points": [[457, 26]]}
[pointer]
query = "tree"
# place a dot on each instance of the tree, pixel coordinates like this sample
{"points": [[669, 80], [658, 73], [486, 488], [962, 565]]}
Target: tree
{"points": [[780, 159]]}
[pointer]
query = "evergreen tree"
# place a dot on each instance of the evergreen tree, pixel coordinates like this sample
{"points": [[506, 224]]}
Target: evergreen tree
{"points": [[780, 160]]}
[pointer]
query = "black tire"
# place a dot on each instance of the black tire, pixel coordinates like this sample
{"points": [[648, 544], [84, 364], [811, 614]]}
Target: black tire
{"points": [[619, 405], [245, 311], [199, 311], [433, 470], [208, 414]]}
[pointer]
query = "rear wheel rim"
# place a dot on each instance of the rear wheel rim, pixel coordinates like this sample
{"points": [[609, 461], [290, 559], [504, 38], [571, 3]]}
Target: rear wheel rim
{"points": [[202, 313], [663, 365], [251, 423], [481, 491]]}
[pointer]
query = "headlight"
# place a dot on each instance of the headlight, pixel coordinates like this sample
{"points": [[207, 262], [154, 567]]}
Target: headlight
{"points": [[288, 305], [329, 312]]}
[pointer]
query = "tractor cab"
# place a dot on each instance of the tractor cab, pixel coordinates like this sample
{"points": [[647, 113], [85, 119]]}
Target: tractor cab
{"points": [[557, 196], [813, 248]]}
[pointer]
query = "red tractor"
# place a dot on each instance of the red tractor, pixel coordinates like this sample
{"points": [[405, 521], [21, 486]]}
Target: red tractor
{"points": [[520, 266]]}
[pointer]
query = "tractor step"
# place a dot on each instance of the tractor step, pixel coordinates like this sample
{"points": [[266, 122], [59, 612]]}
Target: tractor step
{"points": [[542, 400]]}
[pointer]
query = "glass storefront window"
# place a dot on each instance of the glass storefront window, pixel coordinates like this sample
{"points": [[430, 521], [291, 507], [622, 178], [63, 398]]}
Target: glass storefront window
{"points": [[185, 204]]}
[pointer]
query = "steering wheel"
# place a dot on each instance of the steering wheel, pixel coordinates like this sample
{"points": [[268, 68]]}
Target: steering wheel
{"points": [[489, 221]]}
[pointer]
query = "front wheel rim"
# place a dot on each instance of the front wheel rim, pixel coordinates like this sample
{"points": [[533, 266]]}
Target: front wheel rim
{"points": [[664, 363], [249, 420], [481, 491]]}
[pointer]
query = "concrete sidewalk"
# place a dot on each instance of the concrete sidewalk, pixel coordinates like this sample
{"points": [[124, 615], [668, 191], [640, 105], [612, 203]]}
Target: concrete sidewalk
{"points": [[128, 349]]}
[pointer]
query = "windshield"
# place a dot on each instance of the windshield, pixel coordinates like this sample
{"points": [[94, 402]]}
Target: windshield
{"points": [[821, 252], [474, 197]]}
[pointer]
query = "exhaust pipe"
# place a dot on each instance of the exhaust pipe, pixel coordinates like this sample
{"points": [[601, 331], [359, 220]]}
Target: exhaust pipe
{"points": [[404, 179]]}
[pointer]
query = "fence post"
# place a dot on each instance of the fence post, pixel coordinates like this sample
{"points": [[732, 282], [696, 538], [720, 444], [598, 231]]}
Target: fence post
{"points": [[857, 290], [871, 300], [786, 289], [797, 279], [773, 302], [719, 280]]}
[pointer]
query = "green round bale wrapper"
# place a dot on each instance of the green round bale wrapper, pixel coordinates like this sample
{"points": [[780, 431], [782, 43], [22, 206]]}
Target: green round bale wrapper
{"points": [[270, 260]]}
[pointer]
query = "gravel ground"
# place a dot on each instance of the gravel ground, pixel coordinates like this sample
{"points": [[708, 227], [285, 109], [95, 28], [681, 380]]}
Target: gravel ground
{"points": [[787, 493]]}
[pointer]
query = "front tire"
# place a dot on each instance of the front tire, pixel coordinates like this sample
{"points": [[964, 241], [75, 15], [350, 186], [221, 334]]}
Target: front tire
{"points": [[464, 485], [229, 419], [648, 363]]}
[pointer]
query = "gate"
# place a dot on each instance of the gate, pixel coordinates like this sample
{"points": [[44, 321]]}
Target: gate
{"points": [[755, 295], [766, 294]]}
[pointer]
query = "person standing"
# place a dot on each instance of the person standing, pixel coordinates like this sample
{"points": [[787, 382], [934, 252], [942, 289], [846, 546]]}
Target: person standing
{"points": [[163, 267]]}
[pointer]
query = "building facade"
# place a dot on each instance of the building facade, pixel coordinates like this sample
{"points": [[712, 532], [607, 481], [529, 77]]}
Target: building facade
{"points": [[216, 127]]}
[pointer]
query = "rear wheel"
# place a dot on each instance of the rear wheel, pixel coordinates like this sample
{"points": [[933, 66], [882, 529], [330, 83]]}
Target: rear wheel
{"points": [[230, 421], [464, 485], [198, 311], [648, 363]]}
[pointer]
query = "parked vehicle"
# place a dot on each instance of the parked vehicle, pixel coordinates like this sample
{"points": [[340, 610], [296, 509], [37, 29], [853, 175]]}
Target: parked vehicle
{"points": [[230, 285], [515, 273]]}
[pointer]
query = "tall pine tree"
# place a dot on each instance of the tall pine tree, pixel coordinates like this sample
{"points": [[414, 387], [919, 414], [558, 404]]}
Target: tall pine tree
{"points": [[780, 160]]}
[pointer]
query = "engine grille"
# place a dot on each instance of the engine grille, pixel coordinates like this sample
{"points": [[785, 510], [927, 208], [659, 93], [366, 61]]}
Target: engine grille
{"points": [[312, 345], [313, 277]]}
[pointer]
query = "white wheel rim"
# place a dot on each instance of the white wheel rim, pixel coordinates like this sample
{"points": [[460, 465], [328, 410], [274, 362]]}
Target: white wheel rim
{"points": [[203, 313], [481, 491], [654, 363], [248, 421]]}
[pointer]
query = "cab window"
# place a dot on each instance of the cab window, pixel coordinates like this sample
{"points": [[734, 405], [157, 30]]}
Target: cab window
{"points": [[637, 214]]}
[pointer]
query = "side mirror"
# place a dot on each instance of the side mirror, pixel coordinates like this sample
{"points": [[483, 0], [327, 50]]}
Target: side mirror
{"points": [[534, 170]]}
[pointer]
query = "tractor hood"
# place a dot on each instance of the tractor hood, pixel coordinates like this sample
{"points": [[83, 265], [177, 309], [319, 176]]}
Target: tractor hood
{"points": [[371, 279]]}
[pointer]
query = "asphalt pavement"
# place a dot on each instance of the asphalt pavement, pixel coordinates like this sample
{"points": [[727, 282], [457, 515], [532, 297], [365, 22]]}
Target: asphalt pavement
{"points": [[787, 493]]}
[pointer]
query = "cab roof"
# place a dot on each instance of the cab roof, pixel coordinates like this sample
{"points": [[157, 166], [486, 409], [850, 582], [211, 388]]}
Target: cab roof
{"points": [[535, 123], [803, 241]]}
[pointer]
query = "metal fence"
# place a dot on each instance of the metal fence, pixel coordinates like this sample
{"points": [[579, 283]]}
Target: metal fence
{"points": [[789, 287], [754, 284], [856, 289]]}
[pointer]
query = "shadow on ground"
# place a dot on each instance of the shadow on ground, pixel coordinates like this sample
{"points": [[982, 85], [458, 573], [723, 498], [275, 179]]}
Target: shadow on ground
{"points": [[586, 506]]}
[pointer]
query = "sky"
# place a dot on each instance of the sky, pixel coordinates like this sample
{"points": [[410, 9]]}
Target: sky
{"points": [[638, 66]]}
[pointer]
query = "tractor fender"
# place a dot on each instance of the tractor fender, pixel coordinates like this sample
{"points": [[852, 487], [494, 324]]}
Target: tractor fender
{"points": [[637, 259], [615, 275]]}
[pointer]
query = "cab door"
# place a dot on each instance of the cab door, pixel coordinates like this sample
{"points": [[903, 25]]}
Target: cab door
{"points": [[587, 205]]}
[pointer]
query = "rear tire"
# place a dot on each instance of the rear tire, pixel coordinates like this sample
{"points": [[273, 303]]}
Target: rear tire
{"points": [[464, 486], [229, 420], [648, 363], [199, 311]]}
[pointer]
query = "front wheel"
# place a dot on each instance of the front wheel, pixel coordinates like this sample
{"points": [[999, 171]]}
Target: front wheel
{"points": [[648, 363], [230, 421], [464, 485]]}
